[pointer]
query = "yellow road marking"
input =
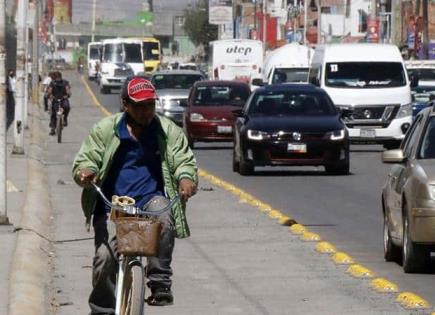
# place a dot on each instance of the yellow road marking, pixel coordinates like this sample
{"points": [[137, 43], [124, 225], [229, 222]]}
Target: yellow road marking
{"points": [[410, 300], [297, 229], [342, 259], [275, 214], [325, 248], [384, 286], [94, 98], [359, 271], [310, 237]]}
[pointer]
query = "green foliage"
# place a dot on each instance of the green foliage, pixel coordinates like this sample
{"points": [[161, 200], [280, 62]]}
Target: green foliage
{"points": [[197, 27]]}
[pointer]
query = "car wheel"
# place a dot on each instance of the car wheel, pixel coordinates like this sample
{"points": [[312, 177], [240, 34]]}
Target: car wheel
{"points": [[235, 162], [413, 255], [244, 167], [391, 251], [342, 168]]}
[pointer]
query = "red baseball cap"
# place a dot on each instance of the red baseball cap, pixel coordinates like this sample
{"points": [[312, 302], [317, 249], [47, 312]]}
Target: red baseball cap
{"points": [[138, 89]]}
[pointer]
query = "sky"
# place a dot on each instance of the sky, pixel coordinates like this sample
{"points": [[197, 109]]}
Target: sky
{"points": [[119, 9]]}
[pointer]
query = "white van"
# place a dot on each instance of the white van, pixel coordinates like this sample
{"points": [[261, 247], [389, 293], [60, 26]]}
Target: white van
{"points": [[369, 83], [121, 57], [236, 59], [94, 57], [288, 63]]}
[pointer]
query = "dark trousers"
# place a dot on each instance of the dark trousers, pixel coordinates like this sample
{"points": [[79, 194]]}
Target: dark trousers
{"points": [[105, 265], [54, 107], [45, 102]]}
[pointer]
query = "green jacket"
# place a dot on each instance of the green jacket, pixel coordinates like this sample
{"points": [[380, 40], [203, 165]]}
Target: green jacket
{"points": [[178, 162]]}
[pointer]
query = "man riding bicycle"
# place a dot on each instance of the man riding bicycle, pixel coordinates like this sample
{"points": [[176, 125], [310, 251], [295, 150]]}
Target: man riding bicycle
{"points": [[139, 154], [59, 91]]}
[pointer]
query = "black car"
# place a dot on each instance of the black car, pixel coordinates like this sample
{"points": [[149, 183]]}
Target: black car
{"points": [[290, 124]]}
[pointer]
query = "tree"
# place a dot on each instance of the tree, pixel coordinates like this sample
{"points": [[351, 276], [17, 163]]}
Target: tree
{"points": [[196, 25]]}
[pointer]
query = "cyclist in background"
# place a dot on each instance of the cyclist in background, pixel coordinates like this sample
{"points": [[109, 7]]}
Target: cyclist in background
{"points": [[139, 154], [59, 89]]}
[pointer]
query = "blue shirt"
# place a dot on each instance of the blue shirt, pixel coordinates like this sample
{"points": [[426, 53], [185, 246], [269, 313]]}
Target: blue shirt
{"points": [[136, 167]]}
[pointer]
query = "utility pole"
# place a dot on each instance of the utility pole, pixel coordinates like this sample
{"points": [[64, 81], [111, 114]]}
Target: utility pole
{"points": [[26, 70], [20, 85], [264, 26], [305, 20], [94, 8], [3, 204], [35, 55], [319, 22]]}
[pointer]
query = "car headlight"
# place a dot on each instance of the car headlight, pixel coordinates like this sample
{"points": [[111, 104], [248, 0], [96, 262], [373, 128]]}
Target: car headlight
{"points": [[196, 117], [335, 135], [257, 135], [405, 110]]}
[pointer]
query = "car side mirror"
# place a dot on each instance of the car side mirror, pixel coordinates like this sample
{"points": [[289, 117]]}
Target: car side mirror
{"points": [[393, 156], [258, 82], [238, 113], [414, 80]]}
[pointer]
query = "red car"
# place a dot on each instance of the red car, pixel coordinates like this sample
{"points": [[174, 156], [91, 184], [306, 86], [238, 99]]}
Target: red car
{"points": [[208, 115]]}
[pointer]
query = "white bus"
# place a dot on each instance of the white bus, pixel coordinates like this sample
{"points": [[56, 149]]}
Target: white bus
{"points": [[94, 57], [121, 57], [236, 59]]}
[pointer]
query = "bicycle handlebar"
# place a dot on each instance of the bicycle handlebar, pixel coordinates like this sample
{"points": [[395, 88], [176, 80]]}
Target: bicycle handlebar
{"points": [[132, 210]]}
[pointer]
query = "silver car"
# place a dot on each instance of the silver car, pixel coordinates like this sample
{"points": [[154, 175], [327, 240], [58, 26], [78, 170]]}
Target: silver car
{"points": [[173, 87], [408, 196]]}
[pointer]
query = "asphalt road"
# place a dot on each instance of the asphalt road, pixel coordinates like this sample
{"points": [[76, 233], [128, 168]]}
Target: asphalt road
{"points": [[344, 210]]}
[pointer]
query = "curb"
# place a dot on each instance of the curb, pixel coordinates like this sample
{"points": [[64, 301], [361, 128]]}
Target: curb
{"points": [[28, 283]]}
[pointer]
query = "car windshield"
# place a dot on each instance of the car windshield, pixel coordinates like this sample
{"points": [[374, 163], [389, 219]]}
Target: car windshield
{"points": [[290, 75], [427, 150], [112, 53], [423, 74], [175, 81], [151, 51], [291, 103], [363, 75], [222, 95]]}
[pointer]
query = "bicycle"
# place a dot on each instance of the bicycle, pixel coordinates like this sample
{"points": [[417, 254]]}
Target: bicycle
{"points": [[130, 282], [59, 119]]}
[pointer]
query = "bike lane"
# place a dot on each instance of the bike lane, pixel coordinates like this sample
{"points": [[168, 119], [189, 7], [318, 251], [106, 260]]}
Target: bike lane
{"points": [[237, 261]]}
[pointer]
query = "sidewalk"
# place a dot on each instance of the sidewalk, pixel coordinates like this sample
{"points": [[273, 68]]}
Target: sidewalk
{"points": [[16, 189], [237, 261]]}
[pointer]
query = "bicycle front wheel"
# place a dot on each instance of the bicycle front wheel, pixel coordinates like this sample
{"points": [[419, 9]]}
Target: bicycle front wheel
{"points": [[133, 293], [59, 127]]}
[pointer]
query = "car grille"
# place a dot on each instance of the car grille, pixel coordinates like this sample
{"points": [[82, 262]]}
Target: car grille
{"points": [[381, 115], [288, 136], [123, 72], [179, 101]]}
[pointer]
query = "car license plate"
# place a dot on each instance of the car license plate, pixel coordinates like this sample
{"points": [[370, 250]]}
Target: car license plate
{"points": [[367, 133], [297, 147], [224, 129]]}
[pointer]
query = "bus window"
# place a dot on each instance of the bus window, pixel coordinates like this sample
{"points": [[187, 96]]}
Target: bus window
{"points": [[151, 51], [132, 53]]}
